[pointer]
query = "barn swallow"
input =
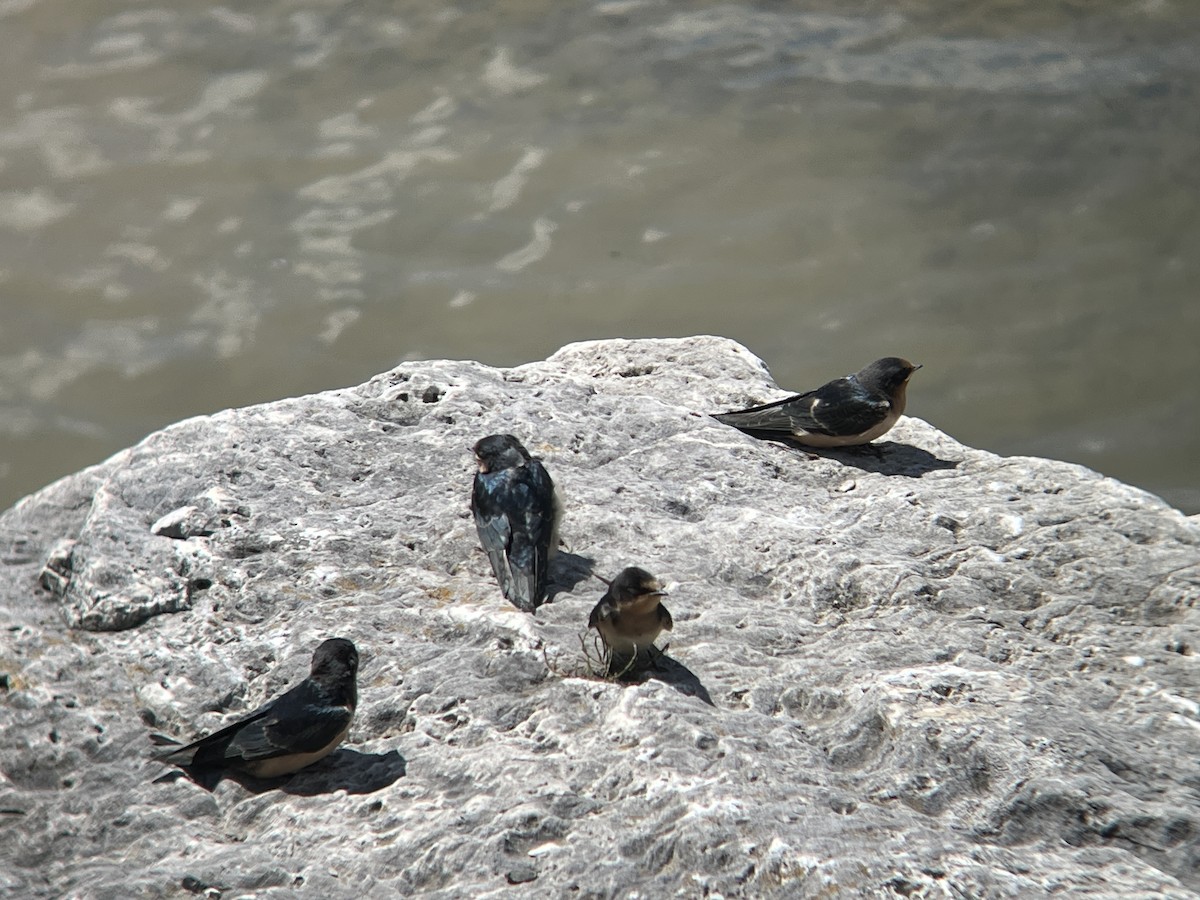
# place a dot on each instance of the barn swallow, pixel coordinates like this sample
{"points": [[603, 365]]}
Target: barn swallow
{"points": [[844, 412], [516, 514], [292, 731], [630, 616]]}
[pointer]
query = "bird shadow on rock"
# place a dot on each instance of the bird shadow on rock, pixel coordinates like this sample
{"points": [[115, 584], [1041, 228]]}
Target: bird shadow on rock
{"points": [[343, 770], [567, 570], [671, 671], [889, 458], [350, 771], [880, 457]]}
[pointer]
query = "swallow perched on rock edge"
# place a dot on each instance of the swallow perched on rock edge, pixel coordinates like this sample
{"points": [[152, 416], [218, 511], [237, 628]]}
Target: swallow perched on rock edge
{"points": [[294, 730], [630, 617], [844, 412], [516, 514]]}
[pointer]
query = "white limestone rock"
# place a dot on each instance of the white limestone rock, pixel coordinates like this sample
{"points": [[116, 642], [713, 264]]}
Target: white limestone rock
{"points": [[893, 673]]}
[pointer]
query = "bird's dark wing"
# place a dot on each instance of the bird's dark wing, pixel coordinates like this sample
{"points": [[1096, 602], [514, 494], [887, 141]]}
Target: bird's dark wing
{"points": [[845, 407], [210, 749], [664, 617], [490, 504], [300, 721], [529, 553], [279, 735], [601, 612], [781, 416], [841, 407]]}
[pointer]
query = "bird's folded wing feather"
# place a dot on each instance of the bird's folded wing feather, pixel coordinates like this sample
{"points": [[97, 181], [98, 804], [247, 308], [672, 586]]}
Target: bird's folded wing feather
{"points": [[281, 735], [495, 530], [529, 553], [838, 408], [783, 415], [210, 749], [601, 612], [843, 407]]}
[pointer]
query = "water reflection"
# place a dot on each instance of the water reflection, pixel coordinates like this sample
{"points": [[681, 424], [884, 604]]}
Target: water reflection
{"points": [[207, 207]]}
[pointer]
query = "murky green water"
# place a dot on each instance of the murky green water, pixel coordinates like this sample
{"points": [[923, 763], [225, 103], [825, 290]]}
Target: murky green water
{"points": [[209, 206]]}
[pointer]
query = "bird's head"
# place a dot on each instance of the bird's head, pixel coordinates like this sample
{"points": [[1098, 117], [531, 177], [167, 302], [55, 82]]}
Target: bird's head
{"points": [[334, 657], [633, 583], [500, 451], [887, 374]]}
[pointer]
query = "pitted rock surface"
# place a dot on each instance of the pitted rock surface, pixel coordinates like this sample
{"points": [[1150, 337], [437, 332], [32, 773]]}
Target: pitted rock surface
{"points": [[917, 669]]}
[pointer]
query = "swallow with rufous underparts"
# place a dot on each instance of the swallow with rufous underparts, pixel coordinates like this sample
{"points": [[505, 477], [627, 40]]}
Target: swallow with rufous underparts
{"points": [[630, 617], [516, 514], [844, 412], [294, 730]]}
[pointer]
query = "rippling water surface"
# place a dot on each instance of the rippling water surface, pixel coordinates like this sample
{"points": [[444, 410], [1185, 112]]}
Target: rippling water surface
{"points": [[209, 206]]}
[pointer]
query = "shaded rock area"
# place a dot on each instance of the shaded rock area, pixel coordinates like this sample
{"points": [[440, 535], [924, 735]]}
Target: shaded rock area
{"points": [[910, 670]]}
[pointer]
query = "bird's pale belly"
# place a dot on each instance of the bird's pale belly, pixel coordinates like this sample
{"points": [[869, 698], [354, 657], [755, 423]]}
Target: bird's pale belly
{"points": [[632, 630]]}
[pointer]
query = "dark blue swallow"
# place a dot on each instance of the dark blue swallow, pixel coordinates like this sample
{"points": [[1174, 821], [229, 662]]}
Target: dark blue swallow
{"points": [[292, 731], [630, 617], [516, 514], [846, 411]]}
